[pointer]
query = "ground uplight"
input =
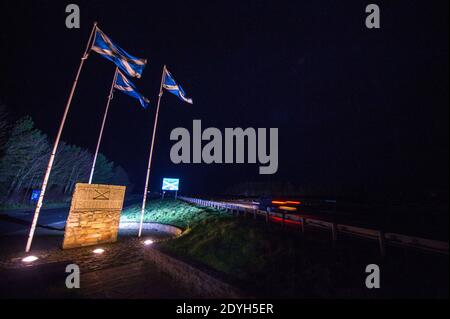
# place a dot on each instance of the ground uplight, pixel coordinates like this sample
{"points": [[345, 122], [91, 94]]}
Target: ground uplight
{"points": [[148, 242], [29, 259]]}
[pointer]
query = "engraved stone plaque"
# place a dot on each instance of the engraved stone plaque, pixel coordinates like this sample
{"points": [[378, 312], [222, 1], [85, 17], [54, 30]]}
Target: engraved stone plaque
{"points": [[94, 215]]}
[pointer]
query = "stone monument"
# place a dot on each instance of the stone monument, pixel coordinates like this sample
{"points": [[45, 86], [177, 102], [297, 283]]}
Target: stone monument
{"points": [[94, 215]]}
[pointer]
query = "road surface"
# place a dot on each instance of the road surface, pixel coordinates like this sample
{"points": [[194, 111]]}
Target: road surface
{"points": [[17, 221]]}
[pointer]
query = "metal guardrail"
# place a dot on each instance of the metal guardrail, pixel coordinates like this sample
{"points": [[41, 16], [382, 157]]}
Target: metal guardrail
{"points": [[383, 238]]}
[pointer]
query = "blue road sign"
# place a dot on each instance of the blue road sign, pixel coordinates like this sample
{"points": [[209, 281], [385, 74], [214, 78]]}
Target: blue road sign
{"points": [[170, 184], [35, 195]]}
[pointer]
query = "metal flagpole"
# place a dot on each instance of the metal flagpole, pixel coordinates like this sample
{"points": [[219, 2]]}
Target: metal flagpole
{"points": [[103, 124], [151, 152], [55, 146]]}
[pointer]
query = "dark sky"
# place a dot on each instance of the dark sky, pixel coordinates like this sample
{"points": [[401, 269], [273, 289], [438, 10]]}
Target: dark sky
{"points": [[355, 108]]}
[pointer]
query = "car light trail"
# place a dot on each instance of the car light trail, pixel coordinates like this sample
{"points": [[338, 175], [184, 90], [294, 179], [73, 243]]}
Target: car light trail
{"points": [[286, 221], [288, 208]]}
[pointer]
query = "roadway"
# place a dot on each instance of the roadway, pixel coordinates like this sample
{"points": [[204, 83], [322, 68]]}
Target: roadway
{"points": [[18, 221], [426, 222]]}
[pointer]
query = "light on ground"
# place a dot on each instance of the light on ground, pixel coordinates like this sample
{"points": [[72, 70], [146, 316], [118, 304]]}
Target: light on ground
{"points": [[148, 242], [98, 251], [29, 259]]}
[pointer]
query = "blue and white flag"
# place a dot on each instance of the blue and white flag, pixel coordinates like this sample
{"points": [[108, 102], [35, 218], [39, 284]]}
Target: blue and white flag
{"points": [[124, 85], [170, 85], [105, 47]]}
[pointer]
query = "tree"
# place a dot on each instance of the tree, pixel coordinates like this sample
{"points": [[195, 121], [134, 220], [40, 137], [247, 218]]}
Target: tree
{"points": [[103, 170], [4, 127], [25, 153], [120, 177], [72, 165], [78, 168]]}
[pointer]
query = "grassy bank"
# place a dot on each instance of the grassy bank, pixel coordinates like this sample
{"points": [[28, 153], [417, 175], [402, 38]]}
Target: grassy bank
{"points": [[271, 262]]}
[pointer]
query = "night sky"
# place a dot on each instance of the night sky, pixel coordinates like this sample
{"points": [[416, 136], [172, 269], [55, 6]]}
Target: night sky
{"points": [[356, 108]]}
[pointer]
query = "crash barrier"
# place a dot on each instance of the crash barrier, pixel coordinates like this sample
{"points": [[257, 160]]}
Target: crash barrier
{"points": [[383, 238]]}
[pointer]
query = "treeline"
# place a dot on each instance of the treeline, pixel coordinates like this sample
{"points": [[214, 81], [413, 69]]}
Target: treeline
{"points": [[24, 155]]}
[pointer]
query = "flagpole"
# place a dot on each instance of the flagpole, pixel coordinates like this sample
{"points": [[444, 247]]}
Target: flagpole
{"points": [[55, 146], [103, 125], [151, 152]]}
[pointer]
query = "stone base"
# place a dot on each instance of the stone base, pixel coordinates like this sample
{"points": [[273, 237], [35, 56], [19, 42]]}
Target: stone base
{"points": [[198, 282], [94, 215]]}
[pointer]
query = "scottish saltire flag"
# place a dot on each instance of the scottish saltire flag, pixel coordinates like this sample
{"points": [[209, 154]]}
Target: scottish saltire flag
{"points": [[170, 85], [124, 85], [105, 47]]}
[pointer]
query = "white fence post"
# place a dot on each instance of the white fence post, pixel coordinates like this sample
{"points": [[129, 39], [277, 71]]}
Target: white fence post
{"points": [[382, 242], [334, 231], [302, 224]]}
